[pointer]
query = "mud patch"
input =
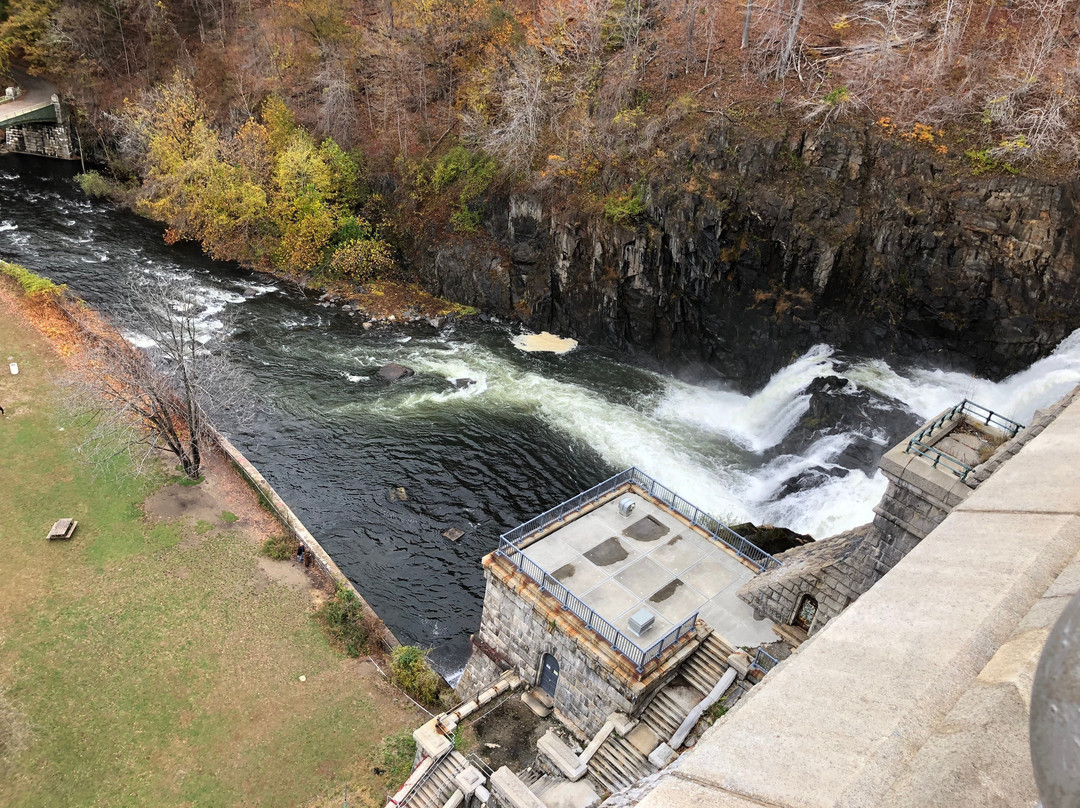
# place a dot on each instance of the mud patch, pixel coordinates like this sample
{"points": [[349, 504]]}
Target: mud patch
{"points": [[608, 552], [288, 573], [177, 501], [507, 735], [666, 591], [646, 529]]}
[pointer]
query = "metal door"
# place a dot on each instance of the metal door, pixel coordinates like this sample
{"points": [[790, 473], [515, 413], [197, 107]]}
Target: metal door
{"points": [[549, 675]]}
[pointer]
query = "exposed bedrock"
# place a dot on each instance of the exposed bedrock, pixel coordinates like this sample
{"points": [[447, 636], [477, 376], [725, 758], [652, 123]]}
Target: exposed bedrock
{"points": [[756, 246]]}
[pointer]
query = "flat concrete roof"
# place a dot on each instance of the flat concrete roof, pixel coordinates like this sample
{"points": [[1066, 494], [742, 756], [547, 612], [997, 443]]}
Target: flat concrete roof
{"points": [[650, 560]]}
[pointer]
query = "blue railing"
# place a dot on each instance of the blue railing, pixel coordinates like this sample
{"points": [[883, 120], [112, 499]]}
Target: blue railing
{"points": [[764, 661], [716, 529], [511, 541], [917, 442]]}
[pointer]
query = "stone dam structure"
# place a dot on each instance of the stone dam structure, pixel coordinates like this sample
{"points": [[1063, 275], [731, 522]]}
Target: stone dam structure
{"points": [[887, 666]]}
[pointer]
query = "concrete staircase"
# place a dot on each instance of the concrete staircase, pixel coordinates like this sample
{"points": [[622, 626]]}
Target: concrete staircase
{"points": [[543, 785], [707, 664], [618, 765], [439, 785], [622, 761], [663, 715]]}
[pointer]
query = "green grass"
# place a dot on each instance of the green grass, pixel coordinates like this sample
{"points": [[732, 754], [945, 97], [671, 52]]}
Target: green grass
{"points": [[155, 666], [228, 517], [31, 283], [397, 755]]}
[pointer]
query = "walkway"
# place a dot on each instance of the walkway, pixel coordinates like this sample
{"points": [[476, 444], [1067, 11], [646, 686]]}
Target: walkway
{"points": [[918, 694], [33, 106]]}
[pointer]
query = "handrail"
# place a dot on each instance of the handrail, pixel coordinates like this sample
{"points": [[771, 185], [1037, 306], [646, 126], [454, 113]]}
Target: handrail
{"points": [[764, 661], [717, 530], [511, 541], [917, 445]]}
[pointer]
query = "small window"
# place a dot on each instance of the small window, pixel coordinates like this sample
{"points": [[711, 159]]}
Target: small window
{"points": [[807, 611]]}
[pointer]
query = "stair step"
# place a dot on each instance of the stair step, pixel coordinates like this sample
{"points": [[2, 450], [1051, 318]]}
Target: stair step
{"points": [[541, 709], [663, 715], [617, 764]]}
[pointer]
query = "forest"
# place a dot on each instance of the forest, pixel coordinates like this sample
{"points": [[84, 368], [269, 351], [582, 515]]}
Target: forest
{"points": [[308, 135]]}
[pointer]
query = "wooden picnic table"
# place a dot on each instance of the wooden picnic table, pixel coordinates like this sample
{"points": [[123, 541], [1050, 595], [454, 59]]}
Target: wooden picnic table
{"points": [[62, 529]]}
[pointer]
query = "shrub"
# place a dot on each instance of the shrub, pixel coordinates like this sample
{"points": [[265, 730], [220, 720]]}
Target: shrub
{"points": [[397, 755], [278, 548], [33, 285], [622, 207], [471, 173], [345, 622], [413, 674], [362, 259], [94, 184]]}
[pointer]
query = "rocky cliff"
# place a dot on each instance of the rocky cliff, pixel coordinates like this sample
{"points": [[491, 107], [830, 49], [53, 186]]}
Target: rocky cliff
{"points": [[754, 247]]}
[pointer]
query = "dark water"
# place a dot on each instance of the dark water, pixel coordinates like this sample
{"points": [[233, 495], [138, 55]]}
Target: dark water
{"points": [[533, 430], [332, 447]]}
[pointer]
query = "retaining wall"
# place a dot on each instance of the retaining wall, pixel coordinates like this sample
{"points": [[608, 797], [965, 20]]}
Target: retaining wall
{"points": [[45, 139], [302, 535]]}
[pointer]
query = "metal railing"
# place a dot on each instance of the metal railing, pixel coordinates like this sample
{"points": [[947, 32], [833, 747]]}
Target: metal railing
{"points": [[917, 443], [717, 530], [764, 661], [511, 541]]}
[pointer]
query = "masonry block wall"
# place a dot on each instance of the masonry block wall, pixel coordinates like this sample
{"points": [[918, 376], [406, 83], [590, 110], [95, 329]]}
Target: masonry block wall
{"points": [[45, 139], [833, 571], [518, 626]]}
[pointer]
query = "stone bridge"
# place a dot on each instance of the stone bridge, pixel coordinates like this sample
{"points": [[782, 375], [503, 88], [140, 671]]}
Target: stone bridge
{"points": [[33, 119]]}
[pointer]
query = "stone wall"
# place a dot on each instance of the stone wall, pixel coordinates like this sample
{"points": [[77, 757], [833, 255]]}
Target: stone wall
{"points": [[520, 624], [45, 139], [480, 671], [833, 571], [522, 633]]}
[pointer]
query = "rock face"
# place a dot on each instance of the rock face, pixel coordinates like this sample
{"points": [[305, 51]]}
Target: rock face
{"points": [[755, 247]]}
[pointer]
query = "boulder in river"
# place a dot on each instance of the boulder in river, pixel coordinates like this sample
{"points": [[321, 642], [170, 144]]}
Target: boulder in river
{"points": [[394, 372], [462, 383]]}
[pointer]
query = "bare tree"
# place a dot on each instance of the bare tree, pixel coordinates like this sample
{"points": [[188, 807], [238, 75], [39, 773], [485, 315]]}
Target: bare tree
{"points": [[158, 397]]}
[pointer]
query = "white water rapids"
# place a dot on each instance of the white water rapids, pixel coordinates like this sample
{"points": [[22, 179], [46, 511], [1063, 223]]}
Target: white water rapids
{"points": [[701, 441]]}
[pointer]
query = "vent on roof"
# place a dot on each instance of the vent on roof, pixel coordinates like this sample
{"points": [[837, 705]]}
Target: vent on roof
{"points": [[626, 506], [641, 621]]}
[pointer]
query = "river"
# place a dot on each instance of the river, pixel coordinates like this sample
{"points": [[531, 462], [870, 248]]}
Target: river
{"points": [[531, 431]]}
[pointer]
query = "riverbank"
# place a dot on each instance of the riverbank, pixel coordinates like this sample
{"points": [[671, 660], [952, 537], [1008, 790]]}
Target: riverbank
{"points": [[156, 658]]}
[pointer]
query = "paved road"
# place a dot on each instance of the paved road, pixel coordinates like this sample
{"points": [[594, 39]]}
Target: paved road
{"points": [[36, 93]]}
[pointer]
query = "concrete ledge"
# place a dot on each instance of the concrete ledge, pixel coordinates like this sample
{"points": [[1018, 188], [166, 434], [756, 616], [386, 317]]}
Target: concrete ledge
{"points": [[515, 793], [263, 488], [562, 756], [856, 705], [431, 740]]}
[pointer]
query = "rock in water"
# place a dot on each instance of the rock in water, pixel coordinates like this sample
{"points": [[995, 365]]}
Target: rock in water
{"points": [[398, 494], [463, 383], [394, 372]]}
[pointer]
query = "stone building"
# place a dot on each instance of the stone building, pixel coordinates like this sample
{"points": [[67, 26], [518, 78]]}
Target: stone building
{"points": [[929, 473], [598, 602]]}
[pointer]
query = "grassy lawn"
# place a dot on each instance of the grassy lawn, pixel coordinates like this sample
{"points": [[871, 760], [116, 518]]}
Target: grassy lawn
{"points": [[158, 664]]}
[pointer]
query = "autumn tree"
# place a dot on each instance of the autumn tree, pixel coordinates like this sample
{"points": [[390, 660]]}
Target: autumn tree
{"points": [[162, 397]]}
